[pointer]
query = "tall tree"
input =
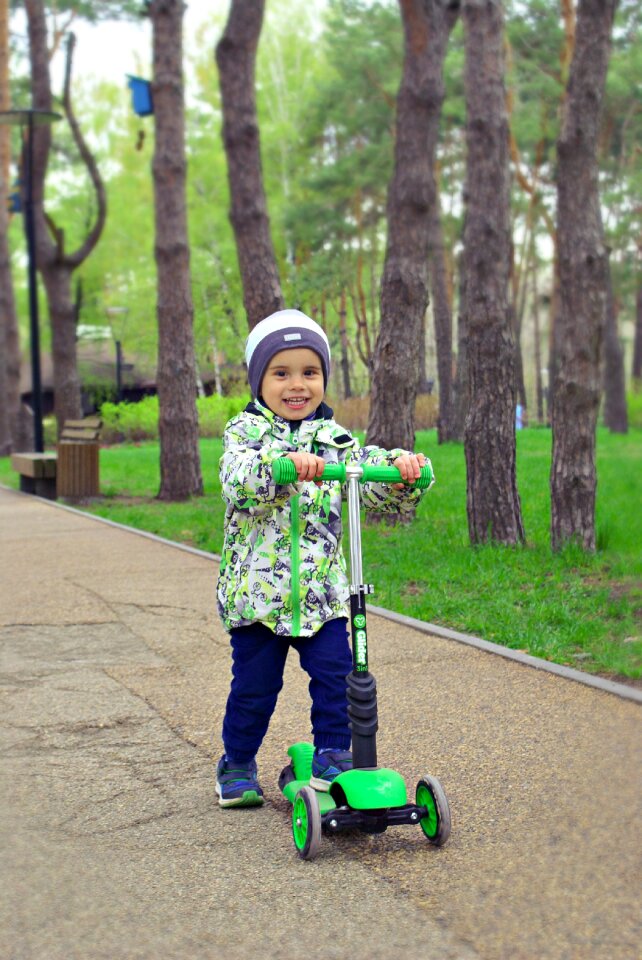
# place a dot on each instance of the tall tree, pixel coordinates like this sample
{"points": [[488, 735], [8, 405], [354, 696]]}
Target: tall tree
{"points": [[411, 201], [56, 264], [461, 386], [493, 505], [583, 276], [441, 281], [442, 313], [7, 305], [636, 369], [236, 60], [20, 425], [176, 377]]}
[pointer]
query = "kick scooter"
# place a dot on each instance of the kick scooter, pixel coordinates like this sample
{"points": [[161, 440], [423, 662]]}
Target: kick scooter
{"points": [[368, 797]]}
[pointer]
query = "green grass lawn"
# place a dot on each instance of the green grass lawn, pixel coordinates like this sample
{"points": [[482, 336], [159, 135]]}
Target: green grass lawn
{"points": [[572, 608]]}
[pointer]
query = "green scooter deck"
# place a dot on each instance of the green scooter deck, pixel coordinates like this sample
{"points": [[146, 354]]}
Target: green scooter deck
{"points": [[301, 764], [362, 789], [326, 803]]}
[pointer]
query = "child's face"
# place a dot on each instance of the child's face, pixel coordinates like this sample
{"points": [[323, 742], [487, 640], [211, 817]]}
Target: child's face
{"points": [[292, 384]]}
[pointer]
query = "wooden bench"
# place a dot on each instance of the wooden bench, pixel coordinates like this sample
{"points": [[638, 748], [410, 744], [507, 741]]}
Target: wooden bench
{"points": [[78, 450], [72, 472], [37, 473]]}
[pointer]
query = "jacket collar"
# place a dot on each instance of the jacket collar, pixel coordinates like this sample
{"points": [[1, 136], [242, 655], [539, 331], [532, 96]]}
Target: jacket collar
{"points": [[323, 412], [320, 428]]}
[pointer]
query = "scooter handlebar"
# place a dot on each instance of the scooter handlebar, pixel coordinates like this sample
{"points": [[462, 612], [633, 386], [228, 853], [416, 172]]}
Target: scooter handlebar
{"points": [[284, 471]]}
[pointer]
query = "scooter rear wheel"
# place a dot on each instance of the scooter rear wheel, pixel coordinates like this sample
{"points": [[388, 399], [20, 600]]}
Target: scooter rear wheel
{"points": [[436, 824], [306, 823]]}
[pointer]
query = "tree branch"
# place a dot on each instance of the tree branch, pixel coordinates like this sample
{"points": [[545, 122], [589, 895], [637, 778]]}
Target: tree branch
{"points": [[80, 255]]}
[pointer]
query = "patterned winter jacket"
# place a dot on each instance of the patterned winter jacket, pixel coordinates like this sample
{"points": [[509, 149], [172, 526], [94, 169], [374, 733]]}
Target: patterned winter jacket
{"points": [[282, 561]]}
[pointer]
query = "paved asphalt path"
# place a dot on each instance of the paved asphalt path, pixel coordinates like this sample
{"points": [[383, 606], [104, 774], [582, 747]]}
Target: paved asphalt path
{"points": [[114, 675]]}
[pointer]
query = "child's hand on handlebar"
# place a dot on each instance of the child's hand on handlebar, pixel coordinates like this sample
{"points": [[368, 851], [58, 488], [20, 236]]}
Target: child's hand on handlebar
{"points": [[409, 466], [308, 466]]}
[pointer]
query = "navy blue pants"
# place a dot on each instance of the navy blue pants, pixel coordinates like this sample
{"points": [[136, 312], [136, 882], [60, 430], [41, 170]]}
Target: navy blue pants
{"points": [[258, 662]]}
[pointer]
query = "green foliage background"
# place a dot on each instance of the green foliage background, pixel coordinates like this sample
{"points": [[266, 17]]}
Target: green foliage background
{"points": [[327, 77]]}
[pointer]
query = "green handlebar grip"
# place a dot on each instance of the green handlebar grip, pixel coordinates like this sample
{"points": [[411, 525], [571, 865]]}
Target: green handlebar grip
{"points": [[386, 474], [284, 471]]}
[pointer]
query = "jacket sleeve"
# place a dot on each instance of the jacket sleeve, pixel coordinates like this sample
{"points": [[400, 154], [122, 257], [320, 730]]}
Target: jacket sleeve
{"points": [[382, 497], [246, 470]]}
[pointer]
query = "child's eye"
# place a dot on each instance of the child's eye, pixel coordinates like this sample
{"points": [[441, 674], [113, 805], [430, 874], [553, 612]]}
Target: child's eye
{"points": [[312, 373]]}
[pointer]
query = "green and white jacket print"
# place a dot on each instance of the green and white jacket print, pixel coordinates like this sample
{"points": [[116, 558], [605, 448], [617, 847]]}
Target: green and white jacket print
{"points": [[282, 563]]}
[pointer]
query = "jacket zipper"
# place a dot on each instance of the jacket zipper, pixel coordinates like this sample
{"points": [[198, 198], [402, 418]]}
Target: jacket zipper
{"points": [[295, 557]]}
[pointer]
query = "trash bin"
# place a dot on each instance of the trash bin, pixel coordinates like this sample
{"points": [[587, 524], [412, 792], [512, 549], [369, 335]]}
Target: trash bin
{"points": [[77, 476]]}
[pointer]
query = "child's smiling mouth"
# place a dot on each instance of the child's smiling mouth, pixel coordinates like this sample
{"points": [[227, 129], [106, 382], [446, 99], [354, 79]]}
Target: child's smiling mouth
{"points": [[296, 402]]}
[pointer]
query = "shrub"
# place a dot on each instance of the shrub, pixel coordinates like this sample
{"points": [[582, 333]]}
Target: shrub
{"points": [[634, 404], [98, 390], [215, 411], [50, 431], [132, 422]]}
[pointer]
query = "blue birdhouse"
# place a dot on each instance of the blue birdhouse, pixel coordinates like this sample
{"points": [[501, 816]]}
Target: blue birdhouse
{"points": [[14, 201], [141, 96]]}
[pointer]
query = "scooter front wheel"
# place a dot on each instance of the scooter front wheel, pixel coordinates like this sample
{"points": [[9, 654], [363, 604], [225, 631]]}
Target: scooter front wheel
{"points": [[306, 823], [436, 824]]}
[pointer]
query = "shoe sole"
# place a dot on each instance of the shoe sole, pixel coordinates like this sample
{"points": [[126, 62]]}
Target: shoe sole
{"points": [[250, 798]]}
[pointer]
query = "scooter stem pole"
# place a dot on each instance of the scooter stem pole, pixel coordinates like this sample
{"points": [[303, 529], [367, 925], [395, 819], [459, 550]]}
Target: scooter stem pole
{"points": [[354, 523], [361, 685]]}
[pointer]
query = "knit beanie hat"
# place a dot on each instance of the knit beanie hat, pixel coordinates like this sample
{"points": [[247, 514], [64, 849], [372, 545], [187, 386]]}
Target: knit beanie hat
{"points": [[283, 330]]}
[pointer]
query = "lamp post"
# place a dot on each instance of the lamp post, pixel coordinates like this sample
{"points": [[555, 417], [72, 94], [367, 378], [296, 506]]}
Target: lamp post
{"points": [[120, 366], [28, 119]]}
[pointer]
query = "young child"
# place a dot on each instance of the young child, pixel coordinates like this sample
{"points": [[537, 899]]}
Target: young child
{"points": [[283, 580]]}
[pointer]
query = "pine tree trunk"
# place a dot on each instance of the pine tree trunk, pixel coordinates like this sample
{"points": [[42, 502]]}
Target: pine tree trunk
{"points": [[62, 317], [553, 346], [442, 314], [411, 199], [176, 376], [50, 255], [637, 343], [55, 264], [520, 386], [615, 411], [461, 387], [583, 278], [343, 339], [422, 379], [7, 304], [5, 430], [236, 57], [493, 506], [537, 348]]}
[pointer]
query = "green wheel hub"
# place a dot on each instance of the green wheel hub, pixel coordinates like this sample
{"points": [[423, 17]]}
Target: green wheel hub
{"points": [[430, 823], [436, 821], [299, 823], [306, 823]]}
